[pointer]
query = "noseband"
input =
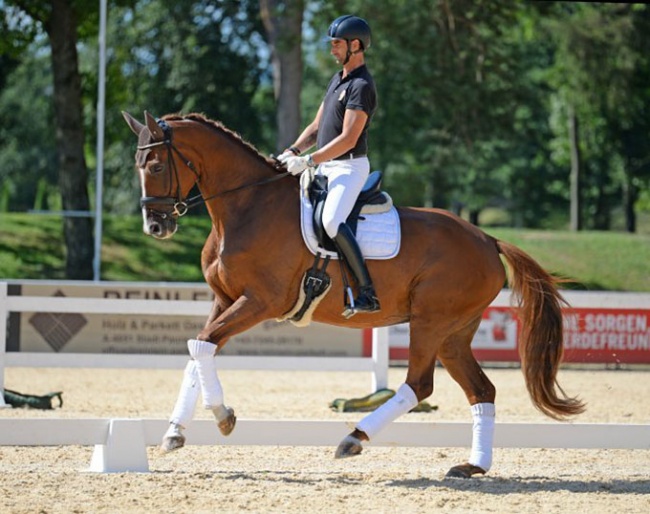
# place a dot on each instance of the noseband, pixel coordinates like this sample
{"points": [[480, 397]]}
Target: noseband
{"points": [[180, 206]]}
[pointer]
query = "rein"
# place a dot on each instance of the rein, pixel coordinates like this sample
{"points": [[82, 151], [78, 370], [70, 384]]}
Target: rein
{"points": [[181, 206]]}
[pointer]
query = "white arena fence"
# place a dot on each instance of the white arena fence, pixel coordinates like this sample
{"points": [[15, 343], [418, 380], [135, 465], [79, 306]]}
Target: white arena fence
{"points": [[376, 364], [120, 444]]}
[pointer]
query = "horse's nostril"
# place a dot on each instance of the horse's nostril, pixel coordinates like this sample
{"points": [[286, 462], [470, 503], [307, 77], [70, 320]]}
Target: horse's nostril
{"points": [[155, 229]]}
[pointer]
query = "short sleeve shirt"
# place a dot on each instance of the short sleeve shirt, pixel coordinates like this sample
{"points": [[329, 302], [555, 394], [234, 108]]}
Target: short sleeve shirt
{"points": [[356, 91]]}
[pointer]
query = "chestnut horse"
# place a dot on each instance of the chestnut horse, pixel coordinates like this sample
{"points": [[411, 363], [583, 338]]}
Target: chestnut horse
{"points": [[446, 274]]}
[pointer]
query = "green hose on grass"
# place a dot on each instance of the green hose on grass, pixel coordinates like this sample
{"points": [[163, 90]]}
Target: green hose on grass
{"points": [[31, 401]]}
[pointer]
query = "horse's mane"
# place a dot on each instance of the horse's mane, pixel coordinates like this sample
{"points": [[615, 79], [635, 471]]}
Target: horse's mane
{"points": [[220, 127]]}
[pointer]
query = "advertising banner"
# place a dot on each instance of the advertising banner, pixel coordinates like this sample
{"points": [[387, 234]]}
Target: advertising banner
{"points": [[607, 335], [591, 335], [495, 339], [158, 334]]}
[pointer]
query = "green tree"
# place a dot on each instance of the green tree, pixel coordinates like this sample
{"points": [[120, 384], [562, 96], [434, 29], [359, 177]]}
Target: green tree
{"points": [[58, 19], [205, 56], [283, 23], [28, 152], [599, 77], [448, 77]]}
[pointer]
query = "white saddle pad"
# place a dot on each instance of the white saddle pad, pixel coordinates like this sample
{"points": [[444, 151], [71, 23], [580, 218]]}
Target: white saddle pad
{"points": [[378, 235]]}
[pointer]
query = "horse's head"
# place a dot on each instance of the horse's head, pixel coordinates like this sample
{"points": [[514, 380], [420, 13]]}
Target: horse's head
{"points": [[164, 185]]}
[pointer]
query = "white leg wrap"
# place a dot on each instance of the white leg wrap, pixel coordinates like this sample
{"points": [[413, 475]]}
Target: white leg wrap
{"points": [[187, 397], [403, 401], [482, 435], [203, 354]]}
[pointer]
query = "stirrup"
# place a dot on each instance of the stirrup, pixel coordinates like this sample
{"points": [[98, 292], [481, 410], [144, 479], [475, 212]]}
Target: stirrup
{"points": [[349, 311], [366, 302]]}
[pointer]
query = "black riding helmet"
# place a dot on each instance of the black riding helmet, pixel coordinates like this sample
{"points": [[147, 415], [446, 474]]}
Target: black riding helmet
{"points": [[349, 28]]}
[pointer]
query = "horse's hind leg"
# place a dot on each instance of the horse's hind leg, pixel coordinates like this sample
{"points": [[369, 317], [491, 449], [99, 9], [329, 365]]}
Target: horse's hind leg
{"points": [[457, 358]]}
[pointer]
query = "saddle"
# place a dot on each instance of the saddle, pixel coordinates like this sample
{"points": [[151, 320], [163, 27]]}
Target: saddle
{"points": [[316, 282], [371, 199]]}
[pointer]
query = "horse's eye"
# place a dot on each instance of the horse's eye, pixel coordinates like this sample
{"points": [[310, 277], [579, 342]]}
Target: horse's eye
{"points": [[156, 168]]}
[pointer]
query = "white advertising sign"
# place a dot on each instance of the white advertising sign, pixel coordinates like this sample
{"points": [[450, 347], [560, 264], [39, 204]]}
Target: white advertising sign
{"points": [[149, 334]]}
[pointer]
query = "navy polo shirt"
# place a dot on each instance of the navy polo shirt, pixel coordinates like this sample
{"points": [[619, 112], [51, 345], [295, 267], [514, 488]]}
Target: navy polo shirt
{"points": [[356, 91]]}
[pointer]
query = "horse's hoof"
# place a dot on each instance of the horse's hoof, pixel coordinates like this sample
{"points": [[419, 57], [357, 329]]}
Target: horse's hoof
{"points": [[227, 425], [464, 471], [169, 444], [349, 447]]}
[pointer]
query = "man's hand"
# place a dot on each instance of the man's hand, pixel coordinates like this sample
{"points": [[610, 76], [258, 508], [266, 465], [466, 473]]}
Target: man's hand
{"points": [[296, 165], [284, 156]]}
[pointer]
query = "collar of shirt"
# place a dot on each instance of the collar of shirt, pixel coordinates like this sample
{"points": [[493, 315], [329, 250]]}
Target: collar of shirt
{"points": [[352, 74]]}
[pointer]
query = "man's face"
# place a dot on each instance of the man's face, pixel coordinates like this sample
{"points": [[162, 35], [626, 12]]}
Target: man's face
{"points": [[339, 49]]}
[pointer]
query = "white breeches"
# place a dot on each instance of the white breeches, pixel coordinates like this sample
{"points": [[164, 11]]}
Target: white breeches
{"points": [[346, 180]]}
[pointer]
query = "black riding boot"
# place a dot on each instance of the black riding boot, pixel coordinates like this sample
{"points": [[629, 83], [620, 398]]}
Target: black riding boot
{"points": [[367, 300]]}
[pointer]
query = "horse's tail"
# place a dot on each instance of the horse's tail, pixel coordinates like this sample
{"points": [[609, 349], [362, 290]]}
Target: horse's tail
{"points": [[541, 338]]}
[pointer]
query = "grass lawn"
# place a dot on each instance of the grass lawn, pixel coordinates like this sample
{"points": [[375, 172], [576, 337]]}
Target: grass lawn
{"points": [[31, 247]]}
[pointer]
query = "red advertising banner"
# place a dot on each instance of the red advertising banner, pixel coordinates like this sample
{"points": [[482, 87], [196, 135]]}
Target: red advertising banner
{"points": [[591, 335], [607, 335]]}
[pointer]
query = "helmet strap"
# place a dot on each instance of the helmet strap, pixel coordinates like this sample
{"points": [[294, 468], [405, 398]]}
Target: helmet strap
{"points": [[349, 53]]}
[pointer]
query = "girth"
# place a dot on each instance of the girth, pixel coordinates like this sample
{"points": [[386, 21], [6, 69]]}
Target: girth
{"points": [[371, 194]]}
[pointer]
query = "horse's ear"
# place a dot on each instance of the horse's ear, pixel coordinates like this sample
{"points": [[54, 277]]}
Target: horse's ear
{"points": [[153, 127], [133, 124]]}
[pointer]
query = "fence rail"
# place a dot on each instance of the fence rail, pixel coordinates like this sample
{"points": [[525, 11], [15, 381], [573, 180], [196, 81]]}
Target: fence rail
{"points": [[120, 444], [376, 364]]}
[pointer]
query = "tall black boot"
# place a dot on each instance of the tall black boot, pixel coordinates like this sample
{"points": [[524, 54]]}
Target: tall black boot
{"points": [[367, 300]]}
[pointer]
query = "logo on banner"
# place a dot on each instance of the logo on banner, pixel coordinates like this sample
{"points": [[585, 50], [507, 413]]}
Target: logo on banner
{"points": [[498, 330], [57, 328]]}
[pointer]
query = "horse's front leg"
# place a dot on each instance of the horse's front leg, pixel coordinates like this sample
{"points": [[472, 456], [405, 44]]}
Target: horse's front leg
{"points": [[188, 395], [201, 370]]}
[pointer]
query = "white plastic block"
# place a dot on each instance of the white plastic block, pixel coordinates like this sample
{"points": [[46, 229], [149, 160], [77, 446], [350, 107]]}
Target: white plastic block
{"points": [[124, 450]]}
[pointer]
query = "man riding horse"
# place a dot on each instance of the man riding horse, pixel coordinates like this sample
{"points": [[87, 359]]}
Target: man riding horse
{"points": [[445, 275], [340, 131]]}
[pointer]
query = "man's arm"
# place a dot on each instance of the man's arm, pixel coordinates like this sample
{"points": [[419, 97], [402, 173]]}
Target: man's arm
{"points": [[353, 123], [308, 137]]}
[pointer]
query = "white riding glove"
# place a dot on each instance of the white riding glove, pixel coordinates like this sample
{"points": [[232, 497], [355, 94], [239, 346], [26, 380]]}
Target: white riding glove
{"points": [[296, 165], [284, 156]]}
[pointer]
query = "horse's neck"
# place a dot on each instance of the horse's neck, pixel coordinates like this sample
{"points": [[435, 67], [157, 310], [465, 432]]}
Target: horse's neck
{"points": [[240, 194]]}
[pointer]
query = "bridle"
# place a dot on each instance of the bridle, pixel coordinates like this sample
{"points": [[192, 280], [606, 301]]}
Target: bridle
{"points": [[180, 205]]}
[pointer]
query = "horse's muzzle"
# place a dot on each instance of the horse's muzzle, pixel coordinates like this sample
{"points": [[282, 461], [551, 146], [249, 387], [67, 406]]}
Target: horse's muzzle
{"points": [[160, 226]]}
